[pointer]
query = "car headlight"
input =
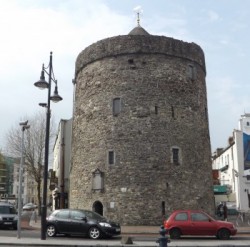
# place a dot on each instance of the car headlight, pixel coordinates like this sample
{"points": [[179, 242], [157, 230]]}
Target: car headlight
{"points": [[1, 218], [16, 217], [105, 224]]}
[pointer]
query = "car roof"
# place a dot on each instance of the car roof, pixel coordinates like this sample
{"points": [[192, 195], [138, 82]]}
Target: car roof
{"points": [[71, 209], [6, 204]]}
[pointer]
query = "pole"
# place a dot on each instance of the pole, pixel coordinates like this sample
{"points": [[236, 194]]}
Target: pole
{"points": [[20, 188], [46, 159]]}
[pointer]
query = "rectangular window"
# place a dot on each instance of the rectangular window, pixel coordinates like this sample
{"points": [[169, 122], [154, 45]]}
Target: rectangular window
{"points": [[191, 72], [156, 109], [175, 155], [172, 111], [163, 209], [111, 158], [116, 106]]}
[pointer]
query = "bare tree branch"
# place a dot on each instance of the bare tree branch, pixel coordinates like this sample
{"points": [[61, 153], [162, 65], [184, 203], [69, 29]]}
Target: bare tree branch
{"points": [[34, 147]]}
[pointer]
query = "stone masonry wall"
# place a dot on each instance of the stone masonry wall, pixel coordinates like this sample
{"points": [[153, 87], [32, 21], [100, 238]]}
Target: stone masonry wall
{"points": [[161, 107]]}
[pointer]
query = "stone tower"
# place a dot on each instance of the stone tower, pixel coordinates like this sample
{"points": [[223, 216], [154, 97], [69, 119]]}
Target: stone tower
{"points": [[141, 145]]}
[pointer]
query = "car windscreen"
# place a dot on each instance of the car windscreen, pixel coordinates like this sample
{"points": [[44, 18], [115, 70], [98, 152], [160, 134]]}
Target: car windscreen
{"points": [[7, 209]]}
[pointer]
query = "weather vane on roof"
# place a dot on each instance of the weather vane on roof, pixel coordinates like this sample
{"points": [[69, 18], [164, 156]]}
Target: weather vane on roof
{"points": [[138, 11]]}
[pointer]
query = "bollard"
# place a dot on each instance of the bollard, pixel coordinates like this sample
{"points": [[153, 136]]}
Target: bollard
{"points": [[163, 240]]}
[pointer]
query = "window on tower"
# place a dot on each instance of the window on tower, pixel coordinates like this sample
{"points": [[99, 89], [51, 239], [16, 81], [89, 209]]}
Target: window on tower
{"points": [[156, 109], [111, 158], [116, 106], [175, 156], [191, 72]]}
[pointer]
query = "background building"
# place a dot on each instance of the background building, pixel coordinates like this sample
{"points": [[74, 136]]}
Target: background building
{"points": [[6, 178], [29, 190], [59, 181], [3, 178], [140, 143], [233, 166]]}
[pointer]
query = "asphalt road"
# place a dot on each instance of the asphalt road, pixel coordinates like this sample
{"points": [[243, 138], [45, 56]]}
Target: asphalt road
{"points": [[36, 234]]}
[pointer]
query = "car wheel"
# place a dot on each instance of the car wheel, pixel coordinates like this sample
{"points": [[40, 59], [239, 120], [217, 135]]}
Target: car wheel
{"points": [[51, 230], [94, 233], [223, 234], [175, 233]]}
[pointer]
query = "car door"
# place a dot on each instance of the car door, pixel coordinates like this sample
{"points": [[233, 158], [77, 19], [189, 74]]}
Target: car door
{"points": [[202, 224], [78, 222], [181, 221], [62, 221]]}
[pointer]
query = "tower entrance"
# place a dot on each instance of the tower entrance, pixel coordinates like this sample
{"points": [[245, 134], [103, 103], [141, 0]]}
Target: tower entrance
{"points": [[98, 207]]}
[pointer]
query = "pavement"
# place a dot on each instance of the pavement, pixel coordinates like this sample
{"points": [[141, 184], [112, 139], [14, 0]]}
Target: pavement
{"points": [[130, 237]]}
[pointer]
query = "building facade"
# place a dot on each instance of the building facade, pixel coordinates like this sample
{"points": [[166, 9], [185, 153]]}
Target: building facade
{"points": [[3, 178], [140, 137], [233, 164], [29, 186], [59, 181], [6, 178]]}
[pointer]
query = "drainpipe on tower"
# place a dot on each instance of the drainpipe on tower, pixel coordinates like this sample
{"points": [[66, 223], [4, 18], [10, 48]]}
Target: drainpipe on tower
{"points": [[62, 165]]}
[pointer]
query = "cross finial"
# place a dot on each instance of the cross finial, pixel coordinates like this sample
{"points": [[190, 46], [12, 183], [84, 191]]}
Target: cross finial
{"points": [[138, 11]]}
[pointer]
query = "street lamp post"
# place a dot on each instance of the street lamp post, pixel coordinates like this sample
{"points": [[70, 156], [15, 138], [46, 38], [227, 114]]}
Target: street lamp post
{"points": [[42, 84], [24, 126]]}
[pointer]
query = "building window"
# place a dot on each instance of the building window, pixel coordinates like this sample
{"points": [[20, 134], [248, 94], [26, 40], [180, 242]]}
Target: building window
{"points": [[111, 158], [130, 61], [156, 109], [248, 124], [176, 155], [191, 72], [116, 106], [172, 111]]}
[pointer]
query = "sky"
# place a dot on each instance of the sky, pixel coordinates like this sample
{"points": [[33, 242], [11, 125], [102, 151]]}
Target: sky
{"points": [[31, 29]]}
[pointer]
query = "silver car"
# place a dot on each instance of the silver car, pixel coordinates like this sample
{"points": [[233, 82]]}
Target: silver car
{"points": [[8, 216]]}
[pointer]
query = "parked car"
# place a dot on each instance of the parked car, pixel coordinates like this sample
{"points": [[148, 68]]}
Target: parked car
{"points": [[8, 216], [29, 206], [197, 222], [80, 222]]}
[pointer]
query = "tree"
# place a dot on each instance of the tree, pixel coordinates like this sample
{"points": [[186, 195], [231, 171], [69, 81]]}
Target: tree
{"points": [[34, 147]]}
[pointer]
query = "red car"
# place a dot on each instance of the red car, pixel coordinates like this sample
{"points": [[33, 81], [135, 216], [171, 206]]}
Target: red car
{"points": [[197, 222]]}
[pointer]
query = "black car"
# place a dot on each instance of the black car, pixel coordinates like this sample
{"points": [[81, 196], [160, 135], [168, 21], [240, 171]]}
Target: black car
{"points": [[80, 222]]}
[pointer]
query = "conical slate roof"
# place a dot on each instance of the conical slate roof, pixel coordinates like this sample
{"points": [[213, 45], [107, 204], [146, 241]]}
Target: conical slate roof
{"points": [[138, 31]]}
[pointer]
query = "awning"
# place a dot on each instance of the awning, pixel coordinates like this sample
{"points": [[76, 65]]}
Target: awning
{"points": [[220, 189]]}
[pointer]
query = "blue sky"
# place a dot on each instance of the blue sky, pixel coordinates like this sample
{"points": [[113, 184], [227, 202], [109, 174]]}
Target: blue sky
{"points": [[30, 29]]}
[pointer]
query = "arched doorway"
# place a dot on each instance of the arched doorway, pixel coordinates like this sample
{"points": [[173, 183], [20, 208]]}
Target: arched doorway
{"points": [[98, 207]]}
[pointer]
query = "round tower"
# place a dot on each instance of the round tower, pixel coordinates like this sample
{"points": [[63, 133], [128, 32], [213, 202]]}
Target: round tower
{"points": [[141, 145]]}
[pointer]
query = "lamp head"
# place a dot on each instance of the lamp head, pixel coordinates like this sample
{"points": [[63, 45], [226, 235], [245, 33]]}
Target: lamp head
{"points": [[42, 84], [56, 97]]}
